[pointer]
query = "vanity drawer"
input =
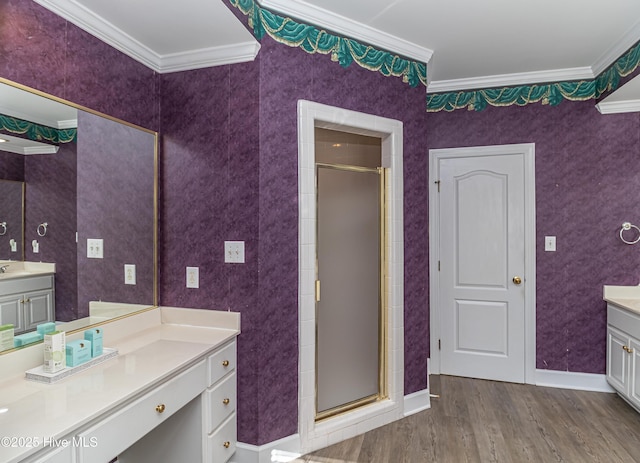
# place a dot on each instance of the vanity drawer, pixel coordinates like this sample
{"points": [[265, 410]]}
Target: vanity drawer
{"points": [[221, 402], [120, 430], [23, 285], [222, 362], [60, 455], [222, 443]]}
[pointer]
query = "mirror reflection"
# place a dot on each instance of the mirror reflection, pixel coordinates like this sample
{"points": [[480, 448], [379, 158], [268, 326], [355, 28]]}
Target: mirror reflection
{"points": [[89, 211], [11, 219]]}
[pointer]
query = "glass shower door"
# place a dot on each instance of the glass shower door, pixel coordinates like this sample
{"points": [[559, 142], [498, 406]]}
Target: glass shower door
{"points": [[349, 329]]}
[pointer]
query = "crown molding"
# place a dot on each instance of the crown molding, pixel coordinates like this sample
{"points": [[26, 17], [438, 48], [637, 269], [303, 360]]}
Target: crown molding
{"points": [[50, 149], [39, 118], [510, 80], [349, 28], [123, 42], [618, 107], [103, 30], [617, 50], [215, 56]]}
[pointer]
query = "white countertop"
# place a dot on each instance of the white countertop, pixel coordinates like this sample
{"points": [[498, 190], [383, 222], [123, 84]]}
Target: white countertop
{"points": [[147, 358], [626, 297], [22, 269]]}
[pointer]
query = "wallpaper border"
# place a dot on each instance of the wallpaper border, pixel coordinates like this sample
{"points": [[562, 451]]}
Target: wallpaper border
{"points": [[37, 132], [343, 50], [551, 93]]}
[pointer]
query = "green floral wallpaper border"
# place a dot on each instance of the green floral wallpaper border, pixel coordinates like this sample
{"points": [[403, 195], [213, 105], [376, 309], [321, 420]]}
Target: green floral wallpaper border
{"points": [[551, 94], [37, 132], [343, 50]]}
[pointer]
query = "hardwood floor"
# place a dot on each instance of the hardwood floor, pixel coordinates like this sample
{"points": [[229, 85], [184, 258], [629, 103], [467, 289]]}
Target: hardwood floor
{"points": [[485, 421]]}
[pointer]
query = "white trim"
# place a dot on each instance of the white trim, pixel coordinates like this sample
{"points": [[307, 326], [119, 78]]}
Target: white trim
{"points": [[617, 107], [509, 80], [88, 21], [617, 50], [417, 402], [208, 57], [570, 380], [528, 149], [282, 450], [289, 448], [320, 17], [318, 435]]}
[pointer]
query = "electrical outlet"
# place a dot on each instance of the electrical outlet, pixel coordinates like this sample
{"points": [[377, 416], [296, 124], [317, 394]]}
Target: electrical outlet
{"points": [[95, 248], [234, 252], [193, 277], [129, 274]]}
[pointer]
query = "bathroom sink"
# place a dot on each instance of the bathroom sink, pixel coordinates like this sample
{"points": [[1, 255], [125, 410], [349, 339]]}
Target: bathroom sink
{"points": [[14, 274], [21, 269]]}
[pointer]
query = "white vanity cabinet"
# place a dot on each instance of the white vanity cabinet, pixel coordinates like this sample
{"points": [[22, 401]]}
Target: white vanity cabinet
{"points": [[27, 302], [168, 396], [220, 405], [623, 353], [63, 454], [203, 428]]}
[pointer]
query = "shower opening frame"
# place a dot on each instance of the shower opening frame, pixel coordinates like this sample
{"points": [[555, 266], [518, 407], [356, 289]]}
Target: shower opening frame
{"points": [[314, 434]]}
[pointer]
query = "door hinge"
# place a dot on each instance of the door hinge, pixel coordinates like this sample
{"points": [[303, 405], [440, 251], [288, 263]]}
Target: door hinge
{"points": [[439, 344], [437, 182], [438, 266], [317, 290]]}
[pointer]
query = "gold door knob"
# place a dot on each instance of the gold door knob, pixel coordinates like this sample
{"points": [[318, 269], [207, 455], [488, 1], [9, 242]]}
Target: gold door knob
{"points": [[225, 363], [517, 280], [225, 401], [160, 408], [226, 445]]}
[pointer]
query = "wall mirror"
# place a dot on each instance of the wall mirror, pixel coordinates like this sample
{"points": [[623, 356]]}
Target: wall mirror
{"points": [[83, 178]]}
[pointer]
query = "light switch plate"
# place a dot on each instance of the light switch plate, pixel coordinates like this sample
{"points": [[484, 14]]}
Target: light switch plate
{"points": [[95, 248], [193, 277], [550, 243], [234, 252], [129, 274]]}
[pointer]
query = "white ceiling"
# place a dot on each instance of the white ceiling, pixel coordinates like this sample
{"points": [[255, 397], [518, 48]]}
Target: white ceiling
{"points": [[467, 43]]}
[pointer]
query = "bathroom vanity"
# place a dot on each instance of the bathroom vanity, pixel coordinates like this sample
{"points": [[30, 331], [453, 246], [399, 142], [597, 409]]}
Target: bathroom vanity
{"points": [[623, 341], [27, 296], [169, 395]]}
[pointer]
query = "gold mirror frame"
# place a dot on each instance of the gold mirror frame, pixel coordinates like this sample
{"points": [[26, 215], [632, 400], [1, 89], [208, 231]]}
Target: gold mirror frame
{"points": [[155, 201]]}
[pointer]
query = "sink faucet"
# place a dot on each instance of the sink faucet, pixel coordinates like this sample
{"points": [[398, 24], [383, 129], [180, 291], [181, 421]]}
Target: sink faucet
{"points": [[3, 268]]}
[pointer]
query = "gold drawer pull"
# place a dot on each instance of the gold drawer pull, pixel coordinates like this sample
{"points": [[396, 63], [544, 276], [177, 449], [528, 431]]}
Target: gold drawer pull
{"points": [[225, 401], [160, 408], [225, 363], [628, 349], [226, 445]]}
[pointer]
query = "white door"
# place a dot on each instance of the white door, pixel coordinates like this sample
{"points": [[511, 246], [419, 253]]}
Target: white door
{"points": [[482, 280]]}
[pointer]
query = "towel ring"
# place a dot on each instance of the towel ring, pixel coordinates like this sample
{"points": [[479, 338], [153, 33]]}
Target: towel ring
{"points": [[627, 226], [43, 227], [3, 228]]}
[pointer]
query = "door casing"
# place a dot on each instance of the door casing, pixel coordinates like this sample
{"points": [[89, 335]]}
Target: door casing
{"points": [[435, 155], [310, 115]]}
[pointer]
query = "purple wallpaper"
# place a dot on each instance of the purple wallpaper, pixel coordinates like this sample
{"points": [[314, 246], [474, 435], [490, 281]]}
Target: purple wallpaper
{"points": [[210, 170], [11, 166], [11, 215], [115, 204], [50, 185], [586, 186], [41, 50]]}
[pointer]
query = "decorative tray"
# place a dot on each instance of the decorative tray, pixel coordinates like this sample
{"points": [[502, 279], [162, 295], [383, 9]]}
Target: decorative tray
{"points": [[37, 374]]}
